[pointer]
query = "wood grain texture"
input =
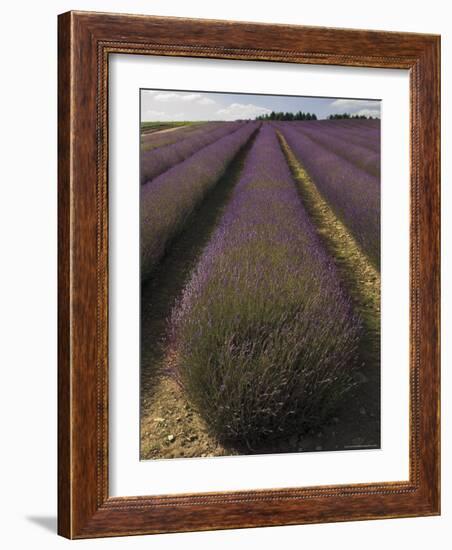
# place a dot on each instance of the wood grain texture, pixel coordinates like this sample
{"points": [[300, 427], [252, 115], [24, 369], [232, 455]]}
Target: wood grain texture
{"points": [[64, 295], [85, 42]]}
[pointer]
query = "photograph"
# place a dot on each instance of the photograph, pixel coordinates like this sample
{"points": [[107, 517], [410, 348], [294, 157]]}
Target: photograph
{"points": [[249, 269], [260, 255]]}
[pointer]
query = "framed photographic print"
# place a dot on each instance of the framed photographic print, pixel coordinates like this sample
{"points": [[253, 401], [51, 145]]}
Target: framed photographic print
{"points": [[248, 275]]}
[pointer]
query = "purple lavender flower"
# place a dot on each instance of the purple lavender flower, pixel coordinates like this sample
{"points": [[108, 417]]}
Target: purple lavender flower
{"points": [[168, 200], [150, 141], [157, 161], [355, 149], [365, 133], [353, 194], [265, 335]]}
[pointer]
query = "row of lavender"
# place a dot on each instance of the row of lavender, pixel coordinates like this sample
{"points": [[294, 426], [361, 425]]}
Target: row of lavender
{"points": [[362, 132], [265, 336], [167, 201], [159, 160], [353, 193], [361, 149]]}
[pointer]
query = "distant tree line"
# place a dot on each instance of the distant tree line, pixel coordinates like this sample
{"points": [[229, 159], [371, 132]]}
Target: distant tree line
{"points": [[348, 115], [309, 116], [287, 116]]}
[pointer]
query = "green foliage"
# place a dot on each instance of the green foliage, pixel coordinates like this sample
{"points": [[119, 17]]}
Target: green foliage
{"points": [[288, 116], [349, 116]]}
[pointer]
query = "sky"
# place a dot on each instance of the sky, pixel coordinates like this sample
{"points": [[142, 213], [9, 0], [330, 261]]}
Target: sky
{"points": [[169, 105]]}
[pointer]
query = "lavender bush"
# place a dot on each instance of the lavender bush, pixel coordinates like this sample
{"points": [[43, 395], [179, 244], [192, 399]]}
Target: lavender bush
{"points": [[343, 145], [168, 200], [157, 161], [264, 334], [371, 124], [356, 132], [365, 133], [353, 194]]}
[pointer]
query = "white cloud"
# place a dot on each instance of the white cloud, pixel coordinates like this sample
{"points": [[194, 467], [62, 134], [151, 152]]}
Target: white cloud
{"points": [[206, 101], [241, 110], [151, 115], [190, 97], [355, 106], [166, 96], [175, 106], [175, 97]]}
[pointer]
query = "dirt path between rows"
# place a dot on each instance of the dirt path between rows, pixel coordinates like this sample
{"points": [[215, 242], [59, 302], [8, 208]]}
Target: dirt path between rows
{"points": [[170, 428]]}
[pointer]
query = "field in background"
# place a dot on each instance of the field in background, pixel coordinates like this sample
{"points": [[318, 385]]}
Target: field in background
{"points": [[260, 299], [151, 127]]}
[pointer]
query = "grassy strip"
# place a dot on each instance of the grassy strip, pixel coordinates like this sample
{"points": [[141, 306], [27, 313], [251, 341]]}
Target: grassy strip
{"points": [[150, 127], [167, 136]]}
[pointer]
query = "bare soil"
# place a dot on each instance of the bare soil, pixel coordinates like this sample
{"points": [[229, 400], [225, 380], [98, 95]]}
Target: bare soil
{"points": [[170, 428]]}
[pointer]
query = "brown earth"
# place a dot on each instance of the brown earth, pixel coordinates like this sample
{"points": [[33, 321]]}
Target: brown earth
{"points": [[171, 428]]}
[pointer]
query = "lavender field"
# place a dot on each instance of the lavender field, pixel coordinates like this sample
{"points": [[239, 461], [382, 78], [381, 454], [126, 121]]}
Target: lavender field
{"points": [[260, 287]]}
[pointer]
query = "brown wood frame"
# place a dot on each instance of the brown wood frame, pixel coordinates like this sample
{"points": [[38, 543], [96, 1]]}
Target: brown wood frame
{"points": [[84, 44]]}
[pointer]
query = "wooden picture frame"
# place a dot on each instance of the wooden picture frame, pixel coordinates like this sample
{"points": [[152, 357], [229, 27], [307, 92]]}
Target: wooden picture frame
{"points": [[85, 42]]}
